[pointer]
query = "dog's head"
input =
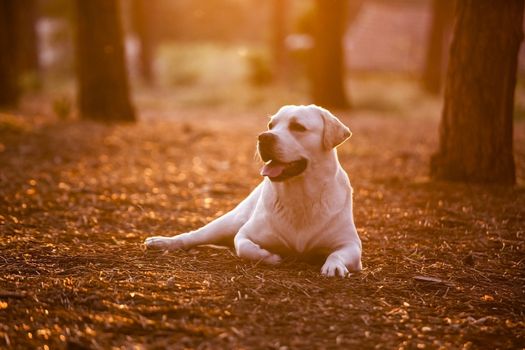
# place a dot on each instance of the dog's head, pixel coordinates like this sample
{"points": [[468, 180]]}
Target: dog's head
{"points": [[297, 137]]}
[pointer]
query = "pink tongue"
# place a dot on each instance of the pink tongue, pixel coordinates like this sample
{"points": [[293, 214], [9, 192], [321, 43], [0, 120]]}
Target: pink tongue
{"points": [[272, 169]]}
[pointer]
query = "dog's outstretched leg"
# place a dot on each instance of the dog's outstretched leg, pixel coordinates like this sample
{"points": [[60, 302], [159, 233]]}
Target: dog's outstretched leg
{"points": [[214, 232], [217, 231]]}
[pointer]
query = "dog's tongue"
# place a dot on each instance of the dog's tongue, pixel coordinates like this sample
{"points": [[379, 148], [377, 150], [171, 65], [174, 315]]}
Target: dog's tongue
{"points": [[272, 169]]}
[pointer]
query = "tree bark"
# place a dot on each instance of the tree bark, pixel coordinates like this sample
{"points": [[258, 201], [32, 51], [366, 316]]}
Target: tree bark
{"points": [[328, 71], [18, 48], [476, 136], [9, 91], [103, 89], [438, 41]]}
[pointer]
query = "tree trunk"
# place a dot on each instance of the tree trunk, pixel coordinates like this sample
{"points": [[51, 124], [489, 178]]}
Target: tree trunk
{"points": [[103, 91], [142, 23], [9, 91], [328, 71], [18, 49], [476, 127], [438, 41], [279, 52]]}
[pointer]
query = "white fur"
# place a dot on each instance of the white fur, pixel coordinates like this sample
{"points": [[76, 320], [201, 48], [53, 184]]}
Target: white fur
{"points": [[308, 213]]}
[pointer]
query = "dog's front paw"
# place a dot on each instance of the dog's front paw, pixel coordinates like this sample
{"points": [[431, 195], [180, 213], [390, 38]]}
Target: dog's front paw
{"points": [[247, 249], [272, 259], [334, 267], [167, 243]]}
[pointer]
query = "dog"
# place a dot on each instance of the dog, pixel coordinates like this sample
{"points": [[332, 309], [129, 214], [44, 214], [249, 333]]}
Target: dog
{"points": [[302, 207]]}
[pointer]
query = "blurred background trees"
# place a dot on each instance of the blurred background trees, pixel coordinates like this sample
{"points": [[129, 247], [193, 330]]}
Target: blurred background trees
{"points": [[233, 53]]}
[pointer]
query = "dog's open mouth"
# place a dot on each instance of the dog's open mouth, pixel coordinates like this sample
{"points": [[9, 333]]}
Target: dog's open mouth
{"points": [[279, 171]]}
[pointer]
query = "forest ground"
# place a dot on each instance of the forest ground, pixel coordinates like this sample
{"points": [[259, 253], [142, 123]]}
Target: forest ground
{"points": [[443, 263]]}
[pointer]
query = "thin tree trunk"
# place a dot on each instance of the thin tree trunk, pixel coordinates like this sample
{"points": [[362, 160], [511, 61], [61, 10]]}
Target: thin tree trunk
{"points": [[279, 14], [328, 73], [103, 90], [142, 17], [437, 42], [476, 136]]}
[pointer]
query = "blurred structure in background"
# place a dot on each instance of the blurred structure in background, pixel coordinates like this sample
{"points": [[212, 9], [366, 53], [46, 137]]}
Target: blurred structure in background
{"points": [[389, 36]]}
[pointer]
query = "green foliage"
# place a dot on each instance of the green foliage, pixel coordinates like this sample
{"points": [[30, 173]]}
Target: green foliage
{"points": [[392, 95], [191, 64], [259, 68], [62, 107], [211, 75], [29, 82]]}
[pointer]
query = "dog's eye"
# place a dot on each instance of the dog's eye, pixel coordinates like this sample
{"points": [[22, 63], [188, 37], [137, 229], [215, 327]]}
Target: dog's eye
{"points": [[270, 125], [296, 127]]}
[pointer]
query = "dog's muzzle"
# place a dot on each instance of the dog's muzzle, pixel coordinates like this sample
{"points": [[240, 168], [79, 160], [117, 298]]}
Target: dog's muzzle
{"points": [[275, 169]]}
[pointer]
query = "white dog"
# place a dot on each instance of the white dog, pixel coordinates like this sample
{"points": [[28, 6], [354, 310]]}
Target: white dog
{"points": [[304, 204]]}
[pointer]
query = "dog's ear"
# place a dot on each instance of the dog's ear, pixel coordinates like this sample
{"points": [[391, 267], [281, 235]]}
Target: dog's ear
{"points": [[334, 132]]}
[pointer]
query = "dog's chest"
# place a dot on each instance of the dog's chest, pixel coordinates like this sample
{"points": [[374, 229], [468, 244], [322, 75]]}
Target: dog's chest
{"points": [[298, 241], [301, 229], [301, 221]]}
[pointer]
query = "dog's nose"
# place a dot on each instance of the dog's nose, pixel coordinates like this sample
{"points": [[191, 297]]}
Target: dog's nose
{"points": [[266, 145], [266, 137]]}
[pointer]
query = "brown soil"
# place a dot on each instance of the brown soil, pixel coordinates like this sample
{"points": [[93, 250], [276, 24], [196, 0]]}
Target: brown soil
{"points": [[444, 264]]}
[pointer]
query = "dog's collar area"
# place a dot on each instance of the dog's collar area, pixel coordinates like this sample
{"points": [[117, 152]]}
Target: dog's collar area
{"points": [[279, 171]]}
